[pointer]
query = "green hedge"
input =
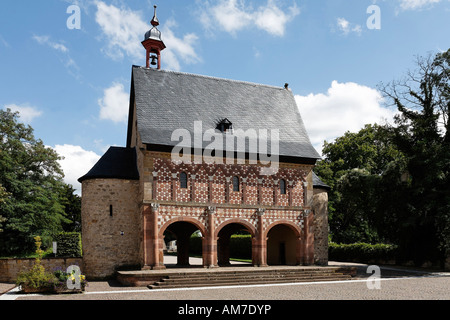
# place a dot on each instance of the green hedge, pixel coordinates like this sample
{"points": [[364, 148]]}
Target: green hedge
{"points": [[362, 252], [240, 246], [68, 244]]}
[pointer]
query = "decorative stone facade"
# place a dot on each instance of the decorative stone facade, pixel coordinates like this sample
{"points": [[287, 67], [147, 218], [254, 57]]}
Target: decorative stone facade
{"points": [[135, 196], [124, 220]]}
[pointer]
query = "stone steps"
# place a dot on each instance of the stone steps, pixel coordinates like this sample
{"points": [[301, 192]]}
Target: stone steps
{"points": [[236, 278]]}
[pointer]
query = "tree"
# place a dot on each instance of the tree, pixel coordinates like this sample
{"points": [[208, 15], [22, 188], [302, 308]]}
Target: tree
{"points": [[30, 173], [357, 167], [422, 135], [3, 197], [72, 209]]}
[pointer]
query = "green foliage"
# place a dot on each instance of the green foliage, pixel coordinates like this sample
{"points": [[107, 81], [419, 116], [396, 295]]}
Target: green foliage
{"points": [[72, 209], [3, 197], [195, 245], [391, 183], [357, 166], [68, 244], [362, 252], [422, 135], [37, 277], [35, 199], [241, 246]]}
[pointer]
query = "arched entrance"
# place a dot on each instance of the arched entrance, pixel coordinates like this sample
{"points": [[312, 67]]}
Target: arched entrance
{"points": [[181, 232], [241, 245], [283, 245]]}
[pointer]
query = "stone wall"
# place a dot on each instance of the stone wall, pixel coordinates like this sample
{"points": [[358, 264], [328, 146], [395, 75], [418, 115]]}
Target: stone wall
{"points": [[320, 207], [110, 225], [10, 268]]}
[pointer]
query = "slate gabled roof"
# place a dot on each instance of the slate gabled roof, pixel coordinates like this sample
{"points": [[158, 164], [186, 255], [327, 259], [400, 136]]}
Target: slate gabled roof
{"points": [[116, 163], [166, 101]]}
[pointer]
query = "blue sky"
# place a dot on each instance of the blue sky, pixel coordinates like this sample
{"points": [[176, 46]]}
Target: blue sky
{"points": [[72, 85]]}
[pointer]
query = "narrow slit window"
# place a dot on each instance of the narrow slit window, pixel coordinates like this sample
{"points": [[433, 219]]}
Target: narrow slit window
{"points": [[183, 180], [110, 210], [282, 186], [235, 184]]}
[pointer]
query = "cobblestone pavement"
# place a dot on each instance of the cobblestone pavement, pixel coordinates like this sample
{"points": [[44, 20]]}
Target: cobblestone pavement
{"points": [[404, 288], [394, 284]]}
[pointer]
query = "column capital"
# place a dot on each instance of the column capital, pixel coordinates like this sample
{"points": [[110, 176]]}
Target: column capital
{"points": [[260, 211], [154, 207], [211, 210]]}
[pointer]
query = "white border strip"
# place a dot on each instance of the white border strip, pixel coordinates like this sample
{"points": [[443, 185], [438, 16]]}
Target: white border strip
{"points": [[14, 293]]}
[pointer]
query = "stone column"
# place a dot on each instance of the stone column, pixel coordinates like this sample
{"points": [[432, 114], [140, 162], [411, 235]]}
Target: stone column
{"points": [[210, 255], [308, 238], [151, 240], [260, 244]]}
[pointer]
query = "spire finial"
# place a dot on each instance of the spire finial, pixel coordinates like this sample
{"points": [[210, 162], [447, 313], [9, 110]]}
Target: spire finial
{"points": [[155, 21]]}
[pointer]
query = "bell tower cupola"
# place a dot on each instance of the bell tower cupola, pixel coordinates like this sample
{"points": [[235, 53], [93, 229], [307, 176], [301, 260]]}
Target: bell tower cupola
{"points": [[153, 44]]}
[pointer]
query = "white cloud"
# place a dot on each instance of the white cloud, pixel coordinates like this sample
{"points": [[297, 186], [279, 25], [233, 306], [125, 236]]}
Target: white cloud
{"points": [[76, 163], [346, 27], [233, 15], [416, 4], [3, 41], [54, 45], [27, 113], [125, 29], [177, 48], [114, 104], [69, 63], [345, 107]]}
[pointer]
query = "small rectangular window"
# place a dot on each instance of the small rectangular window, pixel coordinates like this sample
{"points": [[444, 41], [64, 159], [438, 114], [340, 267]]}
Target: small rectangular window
{"points": [[235, 184], [183, 180], [282, 187], [110, 210]]}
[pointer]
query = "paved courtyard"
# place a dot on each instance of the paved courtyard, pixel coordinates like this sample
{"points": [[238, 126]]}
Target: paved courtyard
{"points": [[394, 284]]}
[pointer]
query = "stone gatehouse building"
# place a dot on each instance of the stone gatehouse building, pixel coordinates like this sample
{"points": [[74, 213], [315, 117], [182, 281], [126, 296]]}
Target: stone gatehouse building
{"points": [[178, 174]]}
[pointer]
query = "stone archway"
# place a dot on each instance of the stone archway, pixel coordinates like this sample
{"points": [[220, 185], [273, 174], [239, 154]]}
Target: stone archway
{"points": [[182, 229], [283, 244], [223, 236]]}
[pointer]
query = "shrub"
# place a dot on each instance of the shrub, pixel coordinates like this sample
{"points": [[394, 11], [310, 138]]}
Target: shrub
{"points": [[362, 252], [241, 246], [37, 277], [68, 244]]}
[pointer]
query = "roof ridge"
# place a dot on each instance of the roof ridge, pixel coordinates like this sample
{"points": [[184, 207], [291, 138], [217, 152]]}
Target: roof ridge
{"points": [[212, 77]]}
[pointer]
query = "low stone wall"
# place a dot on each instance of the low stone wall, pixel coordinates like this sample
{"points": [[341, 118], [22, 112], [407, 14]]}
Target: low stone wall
{"points": [[10, 268]]}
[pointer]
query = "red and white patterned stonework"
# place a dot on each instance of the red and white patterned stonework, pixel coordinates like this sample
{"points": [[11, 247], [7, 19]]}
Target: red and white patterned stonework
{"points": [[212, 183]]}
